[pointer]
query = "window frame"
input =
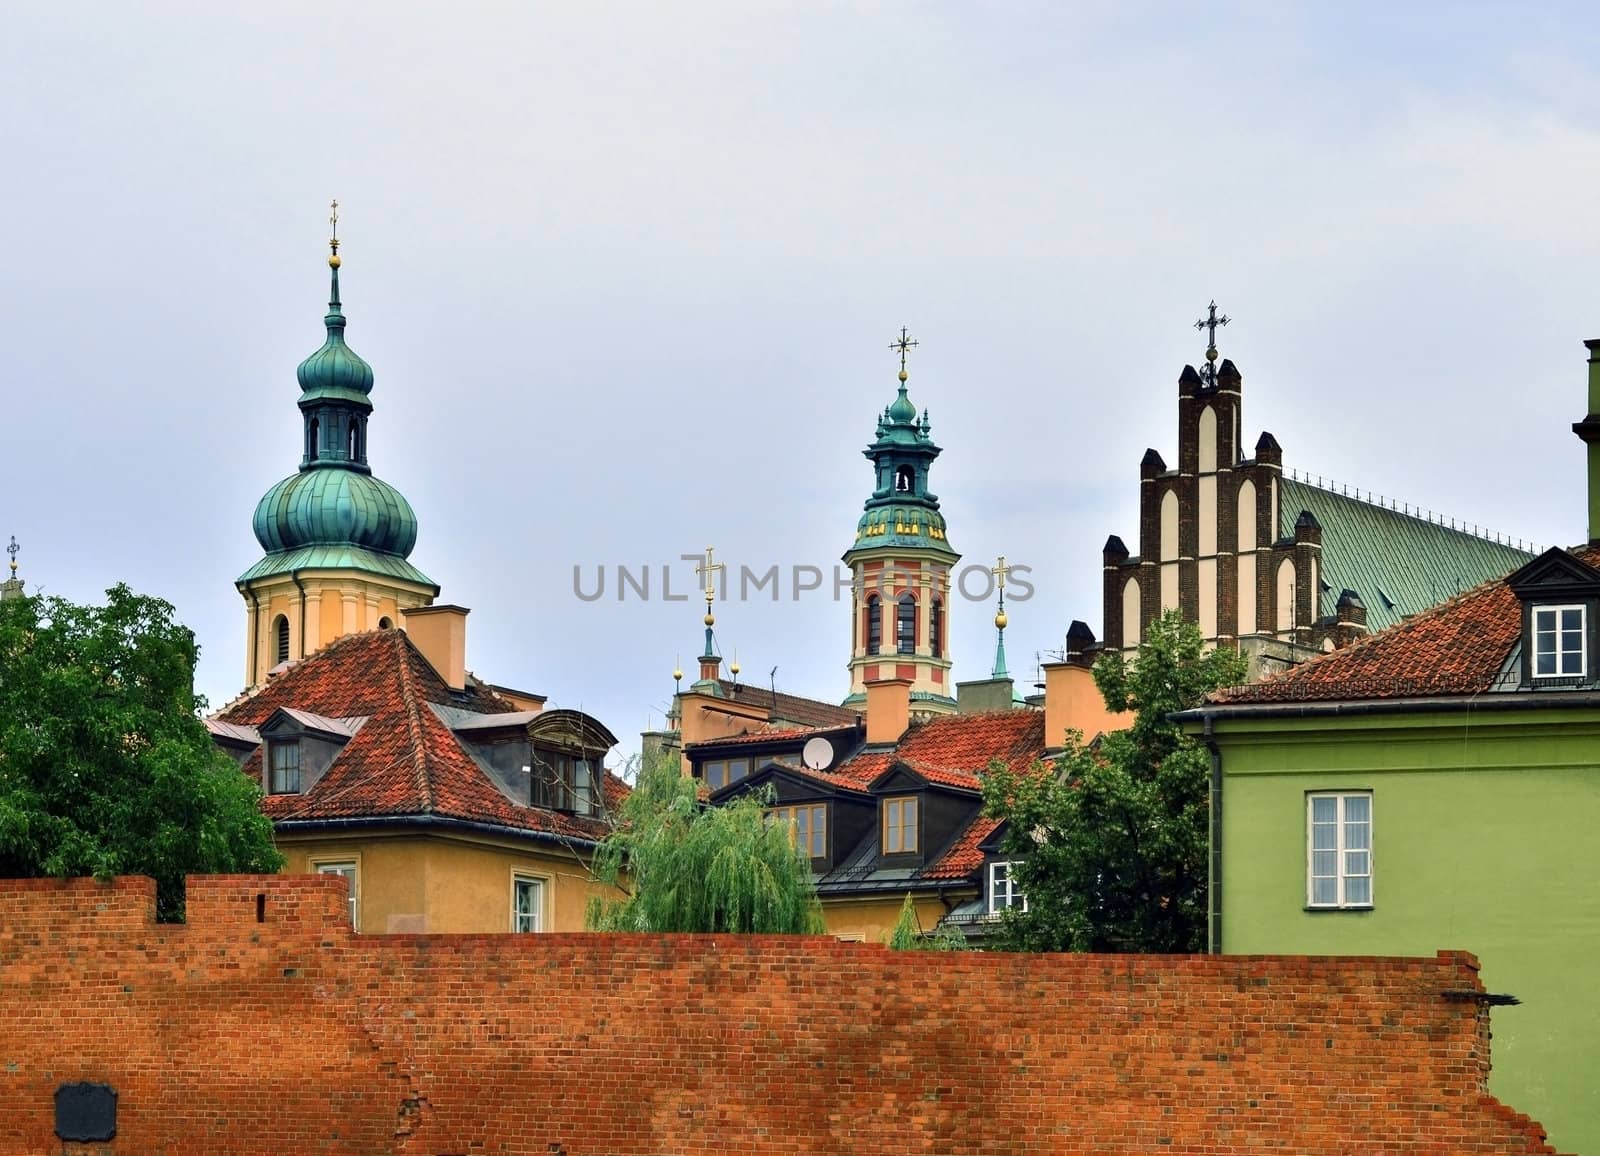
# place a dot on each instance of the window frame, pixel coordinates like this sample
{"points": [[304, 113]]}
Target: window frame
{"points": [[874, 638], [350, 867], [898, 804], [1015, 896], [1559, 652], [905, 640], [521, 877], [1341, 850], [274, 747], [816, 833]]}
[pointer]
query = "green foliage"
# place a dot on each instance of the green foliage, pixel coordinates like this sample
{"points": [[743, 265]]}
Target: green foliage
{"points": [[1112, 848], [105, 766], [686, 867], [908, 935]]}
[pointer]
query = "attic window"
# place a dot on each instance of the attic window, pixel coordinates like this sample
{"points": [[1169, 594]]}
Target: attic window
{"points": [[1558, 641], [900, 826], [283, 756]]}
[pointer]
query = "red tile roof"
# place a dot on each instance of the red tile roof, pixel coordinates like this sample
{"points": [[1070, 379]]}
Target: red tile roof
{"points": [[403, 761], [766, 733], [791, 709], [963, 857], [1456, 648]]}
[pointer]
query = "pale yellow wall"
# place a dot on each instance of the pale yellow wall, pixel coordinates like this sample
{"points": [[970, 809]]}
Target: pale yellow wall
{"points": [[435, 883], [1208, 440], [1207, 574], [1072, 701], [1247, 595], [873, 920], [336, 603]]}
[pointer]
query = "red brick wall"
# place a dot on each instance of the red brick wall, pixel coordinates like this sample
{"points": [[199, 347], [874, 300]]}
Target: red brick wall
{"points": [[290, 1035]]}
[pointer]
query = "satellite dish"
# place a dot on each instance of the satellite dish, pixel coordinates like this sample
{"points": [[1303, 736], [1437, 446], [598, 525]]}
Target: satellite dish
{"points": [[818, 753]]}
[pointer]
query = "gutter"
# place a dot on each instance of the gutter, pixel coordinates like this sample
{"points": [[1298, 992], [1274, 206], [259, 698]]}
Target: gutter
{"points": [[428, 823], [1464, 703], [255, 634], [294, 576], [1214, 883]]}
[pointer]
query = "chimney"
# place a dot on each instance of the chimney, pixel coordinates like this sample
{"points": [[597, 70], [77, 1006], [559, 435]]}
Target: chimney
{"points": [[440, 633], [1589, 430], [888, 710], [1071, 699]]}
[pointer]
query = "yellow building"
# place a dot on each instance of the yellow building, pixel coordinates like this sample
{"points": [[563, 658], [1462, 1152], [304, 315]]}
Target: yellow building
{"points": [[448, 804]]}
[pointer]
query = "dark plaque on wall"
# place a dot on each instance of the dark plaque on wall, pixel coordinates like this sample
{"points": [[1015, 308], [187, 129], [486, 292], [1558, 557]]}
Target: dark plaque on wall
{"points": [[86, 1112]]}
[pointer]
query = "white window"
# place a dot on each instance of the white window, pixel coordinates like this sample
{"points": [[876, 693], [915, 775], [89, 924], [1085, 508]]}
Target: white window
{"points": [[1003, 890], [1558, 646], [351, 876], [1339, 850], [527, 903]]}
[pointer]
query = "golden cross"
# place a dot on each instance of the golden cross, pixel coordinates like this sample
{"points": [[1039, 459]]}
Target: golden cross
{"points": [[903, 346], [710, 569], [333, 220], [1000, 570]]}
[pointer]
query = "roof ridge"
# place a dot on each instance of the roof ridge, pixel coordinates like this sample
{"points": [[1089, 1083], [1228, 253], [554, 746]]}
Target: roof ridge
{"points": [[414, 723], [1412, 511]]}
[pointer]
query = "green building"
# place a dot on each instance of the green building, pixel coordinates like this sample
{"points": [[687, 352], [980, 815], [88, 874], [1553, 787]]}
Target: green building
{"points": [[1437, 785]]}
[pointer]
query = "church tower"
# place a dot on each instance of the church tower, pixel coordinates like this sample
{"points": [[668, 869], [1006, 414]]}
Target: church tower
{"points": [[335, 538], [900, 564]]}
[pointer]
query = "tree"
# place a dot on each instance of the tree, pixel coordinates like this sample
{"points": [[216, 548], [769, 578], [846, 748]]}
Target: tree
{"points": [[105, 766], [909, 936], [1111, 849], [687, 867]]}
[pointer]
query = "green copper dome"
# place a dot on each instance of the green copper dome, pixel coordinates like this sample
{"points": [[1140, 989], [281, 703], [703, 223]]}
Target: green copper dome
{"points": [[333, 514], [335, 372], [335, 507], [901, 511]]}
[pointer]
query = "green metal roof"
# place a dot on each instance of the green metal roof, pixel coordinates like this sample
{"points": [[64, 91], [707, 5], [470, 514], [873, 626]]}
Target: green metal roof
{"points": [[334, 505], [337, 558], [1398, 564]]}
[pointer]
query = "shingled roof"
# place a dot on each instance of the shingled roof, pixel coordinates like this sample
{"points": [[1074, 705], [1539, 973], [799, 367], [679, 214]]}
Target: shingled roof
{"points": [[1458, 648], [791, 710], [1397, 563], [403, 761]]}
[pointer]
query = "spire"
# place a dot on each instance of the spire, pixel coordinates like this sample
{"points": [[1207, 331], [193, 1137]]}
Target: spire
{"points": [[335, 318], [12, 586], [1000, 571]]}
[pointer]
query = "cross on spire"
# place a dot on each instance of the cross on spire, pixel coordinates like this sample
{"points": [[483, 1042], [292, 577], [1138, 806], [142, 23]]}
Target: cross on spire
{"points": [[333, 221], [12, 550], [1211, 323], [709, 569], [904, 345], [1000, 570]]}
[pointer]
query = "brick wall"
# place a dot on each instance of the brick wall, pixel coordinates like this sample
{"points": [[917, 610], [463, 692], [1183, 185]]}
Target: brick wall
{"points": [[288, 1034]]}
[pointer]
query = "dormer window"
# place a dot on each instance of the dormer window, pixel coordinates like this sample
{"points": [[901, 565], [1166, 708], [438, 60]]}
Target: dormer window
{"points": [[1559, 641], [900, 826], [1560, 596], [283, 757]]}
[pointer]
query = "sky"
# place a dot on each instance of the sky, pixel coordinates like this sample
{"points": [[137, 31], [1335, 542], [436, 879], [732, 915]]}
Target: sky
{"points": [[627, 275]]}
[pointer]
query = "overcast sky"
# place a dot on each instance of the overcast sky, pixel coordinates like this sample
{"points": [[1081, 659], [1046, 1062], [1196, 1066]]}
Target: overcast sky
{"points": [[627, 275]]}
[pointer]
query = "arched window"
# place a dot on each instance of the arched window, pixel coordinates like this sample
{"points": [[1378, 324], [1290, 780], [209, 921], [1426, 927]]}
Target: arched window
{"points": [[903, 477], [353, 450], [385, 624], [874, 629], [936, 628], [905, 625], [280, 631], [311, 439]]}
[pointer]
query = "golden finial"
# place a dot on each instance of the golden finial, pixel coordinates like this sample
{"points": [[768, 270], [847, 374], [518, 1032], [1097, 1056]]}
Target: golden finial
{"points": [[677, 668], [733, 667], [333, 240]]}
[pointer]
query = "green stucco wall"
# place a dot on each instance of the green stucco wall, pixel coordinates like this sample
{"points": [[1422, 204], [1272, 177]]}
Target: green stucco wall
{"points": [[1486, 837]]}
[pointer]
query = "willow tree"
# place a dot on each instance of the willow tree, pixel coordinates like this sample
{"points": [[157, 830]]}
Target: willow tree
{"points": [[684, 866]]}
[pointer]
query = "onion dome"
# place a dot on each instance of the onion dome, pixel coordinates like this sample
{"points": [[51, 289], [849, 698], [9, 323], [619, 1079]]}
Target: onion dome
{"points": [[335, 507]]}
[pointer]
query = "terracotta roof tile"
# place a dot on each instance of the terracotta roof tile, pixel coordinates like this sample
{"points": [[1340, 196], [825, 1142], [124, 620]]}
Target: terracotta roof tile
{"points": [[963, 857], [404, 760], [791, 709], [1456, 648]]}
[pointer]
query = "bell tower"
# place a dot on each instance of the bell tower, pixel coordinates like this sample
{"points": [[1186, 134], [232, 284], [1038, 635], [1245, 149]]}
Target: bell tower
{"points": [[901, 562], [335, 538]]}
